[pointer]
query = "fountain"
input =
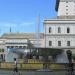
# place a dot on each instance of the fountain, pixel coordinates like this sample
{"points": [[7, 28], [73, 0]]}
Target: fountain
{"points": [[10, 55], [62, 58]]}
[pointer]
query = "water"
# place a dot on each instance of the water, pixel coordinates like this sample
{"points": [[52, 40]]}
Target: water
{"points": [[62, 58]]}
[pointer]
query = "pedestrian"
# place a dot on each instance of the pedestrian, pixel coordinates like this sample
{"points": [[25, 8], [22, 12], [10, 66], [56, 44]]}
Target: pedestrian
{"points": [[15, 65]]}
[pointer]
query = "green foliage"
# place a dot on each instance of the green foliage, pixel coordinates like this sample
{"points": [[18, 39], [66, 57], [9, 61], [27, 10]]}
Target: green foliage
{"points": [[73, 56], [1, 50], [47, 52]]}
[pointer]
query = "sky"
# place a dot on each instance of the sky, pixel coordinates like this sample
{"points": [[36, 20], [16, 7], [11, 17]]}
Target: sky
{"points": [[22, 15]]}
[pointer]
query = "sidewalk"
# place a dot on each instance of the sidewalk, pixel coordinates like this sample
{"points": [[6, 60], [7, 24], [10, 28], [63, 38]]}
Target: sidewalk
{"points": [[7, 72]]}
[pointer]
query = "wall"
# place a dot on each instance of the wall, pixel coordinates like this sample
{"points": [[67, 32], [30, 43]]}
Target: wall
{"points": [[66, 7], [54, 36]]}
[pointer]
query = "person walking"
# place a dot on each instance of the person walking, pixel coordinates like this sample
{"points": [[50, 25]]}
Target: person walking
{"points": [[15, 65]]}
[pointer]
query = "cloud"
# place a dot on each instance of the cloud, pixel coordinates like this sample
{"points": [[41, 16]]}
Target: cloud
{"points": [[8, 25], [27, 24], [16, 24]]}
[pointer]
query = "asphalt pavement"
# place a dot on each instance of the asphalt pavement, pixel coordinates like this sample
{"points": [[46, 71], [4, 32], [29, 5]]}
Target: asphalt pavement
{"points": [[6, 72]]}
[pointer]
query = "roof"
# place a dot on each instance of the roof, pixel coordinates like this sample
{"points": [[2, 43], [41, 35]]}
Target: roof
{"points": [[21, 35]]}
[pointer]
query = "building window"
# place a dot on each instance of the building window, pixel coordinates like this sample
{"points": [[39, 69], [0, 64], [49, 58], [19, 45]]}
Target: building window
{"points": [[68, 43], [59, 43], [59, 30], [66, 5], [66, 1], [50, 43], [68, 30], [66, 13], [66, 9], [49, 29]]}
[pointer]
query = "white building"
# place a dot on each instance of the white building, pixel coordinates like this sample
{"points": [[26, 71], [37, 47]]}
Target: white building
{"points": [[14, 44], [60, 32]]}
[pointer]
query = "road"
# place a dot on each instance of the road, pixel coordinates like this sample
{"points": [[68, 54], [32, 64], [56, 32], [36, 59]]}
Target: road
{"points": [[33, 73]]}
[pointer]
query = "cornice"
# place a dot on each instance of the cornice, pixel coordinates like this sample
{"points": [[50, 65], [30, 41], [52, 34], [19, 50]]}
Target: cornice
{"points": [[59, 35], [59, 21], [68, 47]]}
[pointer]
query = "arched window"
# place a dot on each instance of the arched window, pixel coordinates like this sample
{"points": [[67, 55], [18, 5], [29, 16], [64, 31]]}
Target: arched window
{"points": [[49, 29], [50, 43], [59, 30], [68, 30]]}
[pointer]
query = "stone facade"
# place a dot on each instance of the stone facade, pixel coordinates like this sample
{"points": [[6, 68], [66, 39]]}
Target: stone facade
{"points": [[60, 32], [66, 7], [64, 34], [15, 43]]}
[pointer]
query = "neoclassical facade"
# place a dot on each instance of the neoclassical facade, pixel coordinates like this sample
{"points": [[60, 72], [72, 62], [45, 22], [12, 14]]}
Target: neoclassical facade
{"points": [[60, 31], [14, 44]]}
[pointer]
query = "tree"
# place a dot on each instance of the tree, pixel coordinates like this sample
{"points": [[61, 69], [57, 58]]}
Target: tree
{"points": [[47, 52]]}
